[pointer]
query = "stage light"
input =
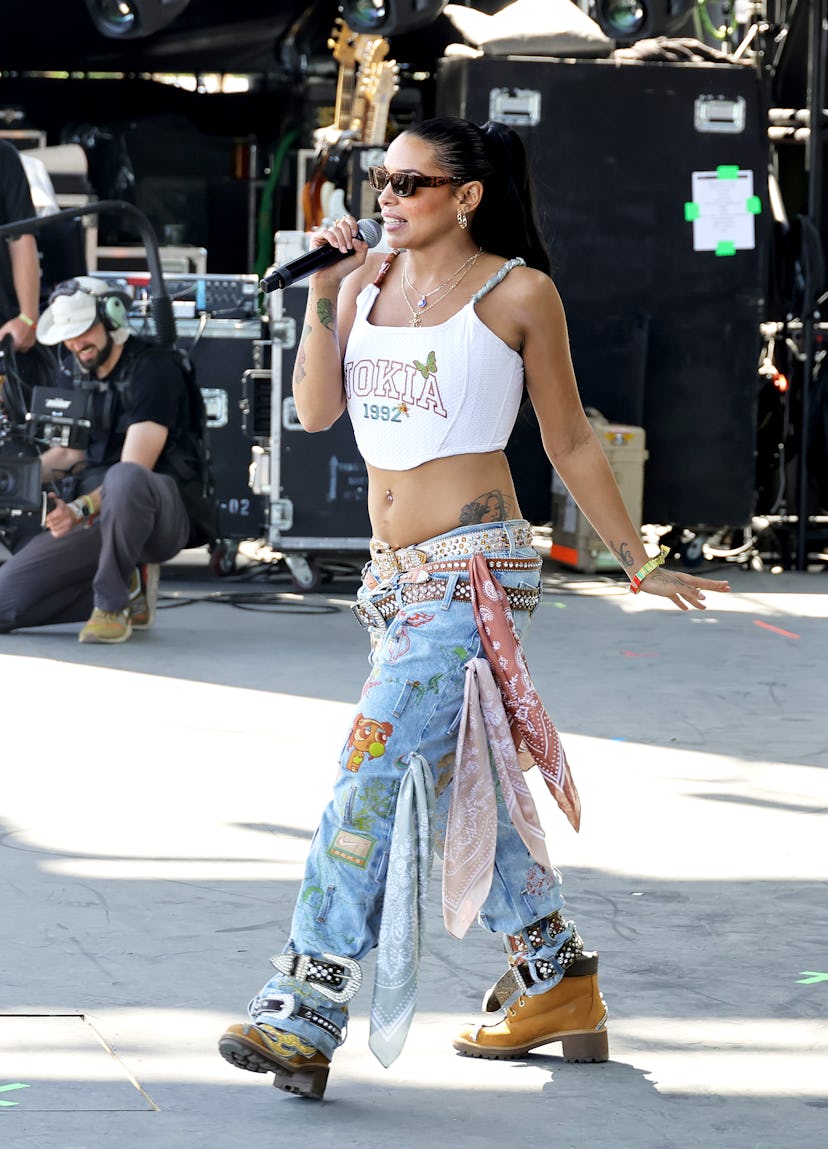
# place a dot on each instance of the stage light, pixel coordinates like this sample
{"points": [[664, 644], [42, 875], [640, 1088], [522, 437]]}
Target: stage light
{"points": [[623, 17], [389, 17], [131, 19], [626, 21]]}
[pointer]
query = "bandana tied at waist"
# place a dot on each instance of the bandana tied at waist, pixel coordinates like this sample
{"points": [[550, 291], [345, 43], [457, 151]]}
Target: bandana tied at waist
{"points": [[502, 714]]}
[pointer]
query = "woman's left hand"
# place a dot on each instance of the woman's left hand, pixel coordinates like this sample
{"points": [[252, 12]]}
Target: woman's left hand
{"points": [[684, 590]]}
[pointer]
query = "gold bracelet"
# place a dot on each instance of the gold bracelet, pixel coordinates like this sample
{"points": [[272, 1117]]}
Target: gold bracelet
{"points": [[27, 319], [648, 568]]}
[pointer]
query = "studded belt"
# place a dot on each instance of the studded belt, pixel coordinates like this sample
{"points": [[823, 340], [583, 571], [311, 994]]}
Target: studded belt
{"points": [[389, 561], [375, 612]]}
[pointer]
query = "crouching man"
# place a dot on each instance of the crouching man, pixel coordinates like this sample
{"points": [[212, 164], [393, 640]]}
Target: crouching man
{"points": [[140, 492]]}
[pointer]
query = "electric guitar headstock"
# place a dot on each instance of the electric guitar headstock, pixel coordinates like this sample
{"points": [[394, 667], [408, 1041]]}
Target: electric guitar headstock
{"points": [[379, 87]]}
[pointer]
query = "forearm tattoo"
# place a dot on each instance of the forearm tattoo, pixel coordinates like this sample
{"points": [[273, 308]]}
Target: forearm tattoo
{"points": [[490, 507], [326, 313], [622, 553], [299, 366]]}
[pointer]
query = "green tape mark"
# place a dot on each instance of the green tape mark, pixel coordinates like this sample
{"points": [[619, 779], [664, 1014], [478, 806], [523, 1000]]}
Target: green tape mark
{"points": [[725, 247], [7, 1089], [811, 978], [727, 172], [691, 211], [754, 205]]}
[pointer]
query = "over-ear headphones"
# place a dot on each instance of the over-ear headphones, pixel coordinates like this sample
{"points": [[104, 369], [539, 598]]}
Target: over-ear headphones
{"points": [[112, 311]]}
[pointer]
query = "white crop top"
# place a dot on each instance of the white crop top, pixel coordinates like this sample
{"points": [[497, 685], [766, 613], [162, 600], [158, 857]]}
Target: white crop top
{"points": [[421, 393]]}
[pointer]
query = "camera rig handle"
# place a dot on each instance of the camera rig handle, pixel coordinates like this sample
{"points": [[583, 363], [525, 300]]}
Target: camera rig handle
{"points": [[161, 304]]}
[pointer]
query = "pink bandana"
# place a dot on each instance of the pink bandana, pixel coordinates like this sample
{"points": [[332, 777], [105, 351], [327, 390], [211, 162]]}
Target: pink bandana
{"points": [[526, 712], [471, 831]]}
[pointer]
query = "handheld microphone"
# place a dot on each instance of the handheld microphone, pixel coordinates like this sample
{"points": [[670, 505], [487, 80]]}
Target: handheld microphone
{"points": [[312, 261]]}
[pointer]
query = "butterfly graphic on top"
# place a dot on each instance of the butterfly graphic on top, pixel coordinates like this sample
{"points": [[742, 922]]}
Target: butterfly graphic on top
{"points": [[429, 367]]}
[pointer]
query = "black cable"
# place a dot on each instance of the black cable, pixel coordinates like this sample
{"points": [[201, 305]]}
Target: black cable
{"points": [[275, 603]]}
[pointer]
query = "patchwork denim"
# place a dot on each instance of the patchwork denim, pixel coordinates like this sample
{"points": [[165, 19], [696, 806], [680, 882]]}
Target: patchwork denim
{"points": [[411, 703]]}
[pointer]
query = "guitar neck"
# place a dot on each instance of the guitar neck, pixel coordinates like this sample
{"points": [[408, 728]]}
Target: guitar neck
{"points": [[345, 87], [376, 119]]}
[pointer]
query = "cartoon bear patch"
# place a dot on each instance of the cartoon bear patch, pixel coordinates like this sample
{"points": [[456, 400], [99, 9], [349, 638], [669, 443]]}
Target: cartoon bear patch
{"points": [[366, 740]]}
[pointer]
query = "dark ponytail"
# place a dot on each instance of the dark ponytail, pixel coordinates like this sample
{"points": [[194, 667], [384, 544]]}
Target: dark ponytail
{"points": [[505, 223]]}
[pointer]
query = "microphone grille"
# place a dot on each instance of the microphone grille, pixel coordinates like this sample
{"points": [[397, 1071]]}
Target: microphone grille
{"points": [[370, 231]]}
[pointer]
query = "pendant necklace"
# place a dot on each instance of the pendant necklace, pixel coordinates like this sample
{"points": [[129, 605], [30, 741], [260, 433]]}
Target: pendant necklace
{"points": [[423, 295], [441, 291]]}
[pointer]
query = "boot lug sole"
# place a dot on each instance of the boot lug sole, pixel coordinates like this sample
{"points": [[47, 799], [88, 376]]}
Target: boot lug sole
{"points": [[491, 1053], [301, 1082]]}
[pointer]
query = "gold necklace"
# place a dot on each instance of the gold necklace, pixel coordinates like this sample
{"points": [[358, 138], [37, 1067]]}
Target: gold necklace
{"points": [[418, 311], [423, 295]]}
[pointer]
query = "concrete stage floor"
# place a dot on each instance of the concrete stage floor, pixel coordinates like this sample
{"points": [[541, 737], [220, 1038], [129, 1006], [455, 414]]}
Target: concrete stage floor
{"points": [[158, 799]]}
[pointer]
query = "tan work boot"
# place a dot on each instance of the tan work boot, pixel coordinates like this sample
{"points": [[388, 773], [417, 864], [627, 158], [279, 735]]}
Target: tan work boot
{"points": [[107, 626], [296, 1066], [572, 1012]]}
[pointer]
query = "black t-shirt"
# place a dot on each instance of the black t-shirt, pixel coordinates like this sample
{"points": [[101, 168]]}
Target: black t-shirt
{"points": [[152, 384], [15, 203], [152, 390]]}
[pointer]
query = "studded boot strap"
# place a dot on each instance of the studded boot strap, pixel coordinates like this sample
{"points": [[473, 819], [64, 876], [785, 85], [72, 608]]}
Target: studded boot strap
{"points": [[525, 970]]}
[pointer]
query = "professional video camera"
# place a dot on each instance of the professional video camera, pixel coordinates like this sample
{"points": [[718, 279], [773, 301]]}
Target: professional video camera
{"points": [[56, 418], [22, 502], [50, 417], [19, 462]]}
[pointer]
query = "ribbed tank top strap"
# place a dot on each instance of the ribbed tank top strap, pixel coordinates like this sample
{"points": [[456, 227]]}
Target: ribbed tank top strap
{"points": [[497, 278], [365, 300], [367, 297]]}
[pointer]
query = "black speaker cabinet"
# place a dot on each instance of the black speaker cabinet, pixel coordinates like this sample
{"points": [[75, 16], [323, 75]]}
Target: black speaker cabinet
{"points": [[662, 335]]}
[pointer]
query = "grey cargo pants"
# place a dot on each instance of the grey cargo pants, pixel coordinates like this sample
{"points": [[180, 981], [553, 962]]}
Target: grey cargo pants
{"points": [[51, 580]]}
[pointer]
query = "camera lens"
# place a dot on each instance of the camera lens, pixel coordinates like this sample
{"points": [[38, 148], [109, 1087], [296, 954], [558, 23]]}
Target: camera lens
{"points": [[7, 482]]}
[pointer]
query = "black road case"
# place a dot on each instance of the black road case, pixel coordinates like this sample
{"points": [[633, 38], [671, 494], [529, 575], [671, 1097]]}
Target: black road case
{"points": [[317, 484]]}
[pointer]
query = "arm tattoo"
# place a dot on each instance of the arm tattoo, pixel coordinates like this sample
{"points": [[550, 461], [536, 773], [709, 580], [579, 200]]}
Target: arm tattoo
{"points": [[326, 313], [622, 553], [299, 366], [490, 507]]}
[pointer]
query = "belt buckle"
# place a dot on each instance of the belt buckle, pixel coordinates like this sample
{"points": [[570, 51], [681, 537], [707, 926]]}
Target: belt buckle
{"points": [[382, 555], [409, 558], [368, 615], [386, 565]]}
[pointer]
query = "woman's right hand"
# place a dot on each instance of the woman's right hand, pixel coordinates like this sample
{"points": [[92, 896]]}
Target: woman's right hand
{"points": [[343, 235]]}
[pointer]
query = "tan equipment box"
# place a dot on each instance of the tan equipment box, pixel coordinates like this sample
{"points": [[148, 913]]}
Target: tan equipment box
{"points": [[574, 542]]}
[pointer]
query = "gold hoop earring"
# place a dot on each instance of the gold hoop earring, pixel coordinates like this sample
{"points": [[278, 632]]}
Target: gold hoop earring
{"points": [[462, 219]]}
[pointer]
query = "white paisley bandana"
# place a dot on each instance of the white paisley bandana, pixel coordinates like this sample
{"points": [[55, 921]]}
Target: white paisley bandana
{"points": [[403, 913]]}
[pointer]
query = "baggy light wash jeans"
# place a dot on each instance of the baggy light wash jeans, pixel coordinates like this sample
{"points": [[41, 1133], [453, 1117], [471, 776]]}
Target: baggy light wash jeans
{"points": [[411, 703]]}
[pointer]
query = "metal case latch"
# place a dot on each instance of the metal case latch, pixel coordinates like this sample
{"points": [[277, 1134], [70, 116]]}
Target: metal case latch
{"points": [[515, 106]]}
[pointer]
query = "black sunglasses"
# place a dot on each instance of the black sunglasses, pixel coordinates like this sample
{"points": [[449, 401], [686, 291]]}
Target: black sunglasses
{"points": [[404, 184]]}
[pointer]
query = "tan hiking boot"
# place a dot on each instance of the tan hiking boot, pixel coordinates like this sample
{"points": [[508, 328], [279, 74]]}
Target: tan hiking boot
{"points": [[572, 1012], [107, 626], [296, 1066], [143, 595]]}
